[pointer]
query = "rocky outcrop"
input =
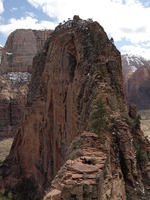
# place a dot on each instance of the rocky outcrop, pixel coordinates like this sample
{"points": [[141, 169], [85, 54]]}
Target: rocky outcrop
{"points": [[20, 48], [78, 72], [139, 88], [88, 174]]}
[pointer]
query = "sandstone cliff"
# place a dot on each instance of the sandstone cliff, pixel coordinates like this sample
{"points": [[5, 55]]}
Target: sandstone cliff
{"points": [[77, 67], [12, 103], [20, 48], [15, 69]]}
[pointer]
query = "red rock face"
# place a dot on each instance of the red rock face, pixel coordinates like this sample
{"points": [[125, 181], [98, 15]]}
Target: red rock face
{"points": [[139, 88], [12, 104], [77, 66]]}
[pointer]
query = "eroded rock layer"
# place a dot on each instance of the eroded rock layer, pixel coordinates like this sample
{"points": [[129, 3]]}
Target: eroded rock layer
{"points": [[77, 67], [88, 174]]}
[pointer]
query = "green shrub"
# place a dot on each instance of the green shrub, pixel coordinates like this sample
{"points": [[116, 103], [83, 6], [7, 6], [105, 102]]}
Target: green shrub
{"points": [[98, 117], [5, 195], [112, 40]]}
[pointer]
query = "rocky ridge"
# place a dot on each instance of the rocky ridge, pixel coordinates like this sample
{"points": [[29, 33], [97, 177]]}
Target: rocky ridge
{"points": [[88, 173], [77, 66]]}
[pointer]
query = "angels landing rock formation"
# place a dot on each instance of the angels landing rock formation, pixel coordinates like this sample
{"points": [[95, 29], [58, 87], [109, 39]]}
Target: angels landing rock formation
{"points": [[76, 89]]}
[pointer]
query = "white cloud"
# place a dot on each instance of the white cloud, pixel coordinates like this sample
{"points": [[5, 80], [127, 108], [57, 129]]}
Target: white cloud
{"points": [[30, 14], [122, 19], [26, 23], [136, 50], [114, 15], [1, 6], [13, 9]]}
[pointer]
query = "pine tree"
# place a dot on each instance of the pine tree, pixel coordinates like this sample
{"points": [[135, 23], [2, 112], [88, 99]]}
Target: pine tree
{"points": [[99, 117]]}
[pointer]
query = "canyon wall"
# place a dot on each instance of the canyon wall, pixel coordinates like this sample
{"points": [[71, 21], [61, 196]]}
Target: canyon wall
{"points": [[16, 67], [77, 68]]}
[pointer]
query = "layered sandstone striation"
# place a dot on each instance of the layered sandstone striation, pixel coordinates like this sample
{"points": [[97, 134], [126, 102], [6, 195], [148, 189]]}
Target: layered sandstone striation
{"points": [[88, 174], [20, 48], [77, 66]]}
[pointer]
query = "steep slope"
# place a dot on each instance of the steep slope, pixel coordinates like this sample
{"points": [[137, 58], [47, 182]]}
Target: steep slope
{"points": [[77, 68]]}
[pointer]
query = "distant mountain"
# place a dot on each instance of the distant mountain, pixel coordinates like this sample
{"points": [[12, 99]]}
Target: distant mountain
{"points": [[139, 88], [136, 74], [130, 63]]}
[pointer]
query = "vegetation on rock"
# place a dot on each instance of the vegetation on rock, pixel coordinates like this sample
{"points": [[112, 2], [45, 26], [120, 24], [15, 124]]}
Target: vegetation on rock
{"points": [[99, 117]]}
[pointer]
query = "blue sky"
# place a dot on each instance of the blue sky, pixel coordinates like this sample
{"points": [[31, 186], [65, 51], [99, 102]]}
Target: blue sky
{"points": [[127, 21]]}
